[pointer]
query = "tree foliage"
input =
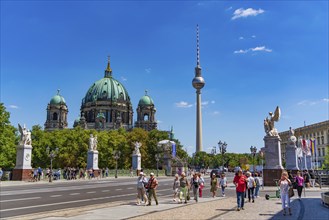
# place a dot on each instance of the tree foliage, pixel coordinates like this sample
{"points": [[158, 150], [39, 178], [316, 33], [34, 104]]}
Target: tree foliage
{"points": [[8, 139], [326, 159], [72, 147]]}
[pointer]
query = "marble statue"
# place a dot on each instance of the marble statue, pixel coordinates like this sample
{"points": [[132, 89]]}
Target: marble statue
{"points": [[137, 146], [25, 135], [292, 139], [93, 142], [270, 130]]}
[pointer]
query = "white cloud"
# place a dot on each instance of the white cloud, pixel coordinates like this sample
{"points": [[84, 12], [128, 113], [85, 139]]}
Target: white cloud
{"points": [[123, 78], [148, 70], [255, 49], [241, 38], [229, 8], [183, 104], [312, 102], [242, 13], [241, 51], [205, 103], [212, 102], [263, 48], [13, 106], [253, 36], [159, 122]]}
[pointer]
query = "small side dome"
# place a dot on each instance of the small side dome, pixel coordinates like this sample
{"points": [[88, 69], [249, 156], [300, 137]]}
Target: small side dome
{"points": [[57, 99], [146, 100], [76, 122]]}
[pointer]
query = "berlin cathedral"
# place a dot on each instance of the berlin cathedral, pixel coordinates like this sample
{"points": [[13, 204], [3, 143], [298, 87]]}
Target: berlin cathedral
{"points": [[106, 106]]}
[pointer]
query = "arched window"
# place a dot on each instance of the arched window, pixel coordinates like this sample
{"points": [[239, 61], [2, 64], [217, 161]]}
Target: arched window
{"points": [[322, 140], [146, 117], [55, 116]]}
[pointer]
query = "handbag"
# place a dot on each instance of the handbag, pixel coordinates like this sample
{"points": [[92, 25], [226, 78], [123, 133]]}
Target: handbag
{"points": [[291, 192]]}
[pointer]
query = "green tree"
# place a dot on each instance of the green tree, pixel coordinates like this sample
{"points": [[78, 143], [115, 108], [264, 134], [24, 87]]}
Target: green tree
{"points": [[8, 139], [325, 164]]}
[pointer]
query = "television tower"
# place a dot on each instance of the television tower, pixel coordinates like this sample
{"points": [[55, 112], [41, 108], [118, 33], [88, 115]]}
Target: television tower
{"points": [[198, 83]]}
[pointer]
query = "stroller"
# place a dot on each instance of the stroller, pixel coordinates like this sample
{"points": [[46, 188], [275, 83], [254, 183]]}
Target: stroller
{"points": [[277, 192]]}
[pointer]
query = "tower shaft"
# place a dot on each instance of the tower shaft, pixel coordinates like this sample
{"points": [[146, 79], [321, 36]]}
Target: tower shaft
{"points": [[198, 121]]}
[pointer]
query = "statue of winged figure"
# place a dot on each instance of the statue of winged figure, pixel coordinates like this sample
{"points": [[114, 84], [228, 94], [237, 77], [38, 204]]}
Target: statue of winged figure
{"points": [[25, 135], [270, 130]]}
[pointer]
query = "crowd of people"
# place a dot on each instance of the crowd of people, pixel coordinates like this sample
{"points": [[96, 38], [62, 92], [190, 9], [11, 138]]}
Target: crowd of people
{"points": [[183, 187], [68, 173]]}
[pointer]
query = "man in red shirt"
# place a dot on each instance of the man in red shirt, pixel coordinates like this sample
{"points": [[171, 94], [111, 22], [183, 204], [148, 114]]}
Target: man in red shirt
{"points": [[240, 184]]}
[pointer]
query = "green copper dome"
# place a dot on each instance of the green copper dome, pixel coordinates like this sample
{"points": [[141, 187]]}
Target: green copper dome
{"points": [[57, 99], [146, 100], [106, 89]]}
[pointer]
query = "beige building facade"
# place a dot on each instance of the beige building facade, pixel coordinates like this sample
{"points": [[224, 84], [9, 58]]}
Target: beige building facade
{"points": [[318, 131]]}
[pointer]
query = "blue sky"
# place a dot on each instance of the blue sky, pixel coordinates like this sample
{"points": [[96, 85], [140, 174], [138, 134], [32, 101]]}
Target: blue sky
{"points": [[254, 56]]}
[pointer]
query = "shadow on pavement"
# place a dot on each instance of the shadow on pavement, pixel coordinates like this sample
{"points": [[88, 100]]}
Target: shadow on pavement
{"points": [[225, 210]]}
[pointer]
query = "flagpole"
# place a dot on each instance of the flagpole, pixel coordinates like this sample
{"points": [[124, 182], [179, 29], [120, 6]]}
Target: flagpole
{"points": [[316, 156]]}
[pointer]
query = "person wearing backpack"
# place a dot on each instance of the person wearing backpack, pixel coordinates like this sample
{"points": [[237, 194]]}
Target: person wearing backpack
{"points": [[195, 184], [151, 187], [250, 186], [141, 193]]}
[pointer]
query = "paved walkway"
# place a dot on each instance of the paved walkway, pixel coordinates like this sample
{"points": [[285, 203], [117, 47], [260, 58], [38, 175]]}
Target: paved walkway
{"points": [[207, 208], [308, 207]]}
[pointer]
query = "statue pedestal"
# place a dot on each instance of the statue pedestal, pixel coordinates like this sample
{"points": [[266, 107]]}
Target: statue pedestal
{"points": [[291, 157], [273, 163], [92, 160], [136, 163], [22, 170]]}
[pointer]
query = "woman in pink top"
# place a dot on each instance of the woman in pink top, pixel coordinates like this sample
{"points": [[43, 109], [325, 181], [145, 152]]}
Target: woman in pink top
{"points": [[300, 183]]}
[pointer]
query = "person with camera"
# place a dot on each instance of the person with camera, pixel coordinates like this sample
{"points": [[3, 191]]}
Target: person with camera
{"points": [[284, 184]]}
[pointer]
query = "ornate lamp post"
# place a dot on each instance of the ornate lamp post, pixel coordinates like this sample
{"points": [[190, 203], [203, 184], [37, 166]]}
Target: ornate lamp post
{"points": [[261, 154], [253, 151], [222, 149], [52, 154], [116, 156], [157, 158]]}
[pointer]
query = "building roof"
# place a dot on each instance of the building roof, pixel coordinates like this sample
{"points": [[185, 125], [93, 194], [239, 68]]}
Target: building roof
{"points": [[146, 100], [57, 99], [106, 89]]}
